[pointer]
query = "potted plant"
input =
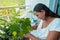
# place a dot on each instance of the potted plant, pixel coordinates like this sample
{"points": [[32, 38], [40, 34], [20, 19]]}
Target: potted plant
{"points": [[16, 28]]}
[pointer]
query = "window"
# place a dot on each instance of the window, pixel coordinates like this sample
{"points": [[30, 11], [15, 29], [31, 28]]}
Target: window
{"points": [[8, 7]]}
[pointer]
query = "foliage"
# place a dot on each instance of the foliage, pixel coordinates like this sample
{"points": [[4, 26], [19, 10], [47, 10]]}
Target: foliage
{"points": [[12, 2], [16, 27]]}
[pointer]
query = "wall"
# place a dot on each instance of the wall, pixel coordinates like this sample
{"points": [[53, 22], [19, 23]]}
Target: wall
{"points": [[31, 3]]}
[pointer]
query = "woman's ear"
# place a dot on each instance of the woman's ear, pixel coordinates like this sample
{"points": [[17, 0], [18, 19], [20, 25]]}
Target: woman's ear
{"points": [[43, 11]]}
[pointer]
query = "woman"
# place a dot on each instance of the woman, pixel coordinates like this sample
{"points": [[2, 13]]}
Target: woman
{"points": [[49, 26]]}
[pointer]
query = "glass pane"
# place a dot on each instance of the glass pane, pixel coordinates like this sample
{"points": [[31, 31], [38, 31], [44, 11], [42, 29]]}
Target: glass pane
{"points": [[12, 2], [11, 7]]}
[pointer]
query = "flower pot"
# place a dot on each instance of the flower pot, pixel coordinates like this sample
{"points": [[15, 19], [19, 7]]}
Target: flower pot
{"points": [[24, 38]]}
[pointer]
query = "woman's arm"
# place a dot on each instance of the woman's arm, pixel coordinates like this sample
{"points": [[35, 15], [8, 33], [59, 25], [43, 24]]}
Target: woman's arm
{"points": [[30, 36], [53, 35]]}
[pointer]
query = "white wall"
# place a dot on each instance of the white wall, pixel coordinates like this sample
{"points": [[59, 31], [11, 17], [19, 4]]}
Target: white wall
{"points": [[31, 3]]}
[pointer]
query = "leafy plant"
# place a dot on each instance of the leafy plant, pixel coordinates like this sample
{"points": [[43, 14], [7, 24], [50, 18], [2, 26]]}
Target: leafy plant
{"points": [[16, 27]]}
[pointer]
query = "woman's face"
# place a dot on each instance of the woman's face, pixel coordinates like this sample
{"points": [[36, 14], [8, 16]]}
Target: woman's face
{"points": [[40, 15]]}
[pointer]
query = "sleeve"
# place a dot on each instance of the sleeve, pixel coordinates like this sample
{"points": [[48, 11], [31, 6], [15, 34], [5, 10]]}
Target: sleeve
{"points": [[55, 26], [34, 33]]}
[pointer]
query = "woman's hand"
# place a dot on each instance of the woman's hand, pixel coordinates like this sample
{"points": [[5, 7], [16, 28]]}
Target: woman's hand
{"points": [[30, 36], [35, 26]]}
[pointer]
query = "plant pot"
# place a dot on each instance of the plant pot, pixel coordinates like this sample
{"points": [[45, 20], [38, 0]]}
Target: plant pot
{"points": [[1, 39], [24, 38], [9, 38]]}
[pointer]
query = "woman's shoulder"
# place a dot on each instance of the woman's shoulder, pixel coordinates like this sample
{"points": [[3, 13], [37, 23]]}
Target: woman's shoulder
{"points": [[55, 26], [57, 20]]}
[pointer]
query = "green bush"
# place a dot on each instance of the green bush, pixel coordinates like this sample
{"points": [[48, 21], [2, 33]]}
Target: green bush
{"points": [[16, 27]]}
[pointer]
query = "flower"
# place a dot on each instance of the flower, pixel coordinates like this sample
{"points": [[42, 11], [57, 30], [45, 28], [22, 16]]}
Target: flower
{"points": [[14, 33]]}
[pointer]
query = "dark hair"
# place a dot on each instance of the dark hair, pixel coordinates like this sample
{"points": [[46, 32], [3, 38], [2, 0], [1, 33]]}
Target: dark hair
{"points": [[49, 13]]}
